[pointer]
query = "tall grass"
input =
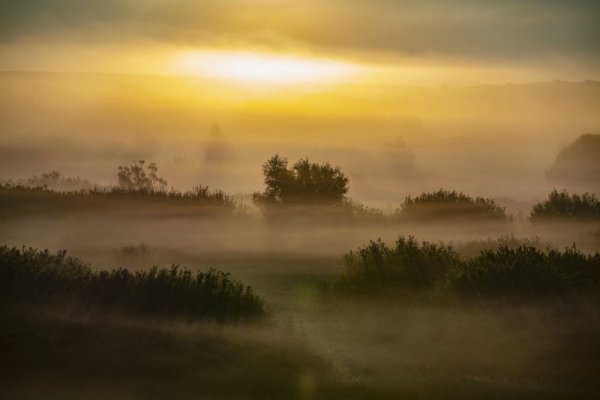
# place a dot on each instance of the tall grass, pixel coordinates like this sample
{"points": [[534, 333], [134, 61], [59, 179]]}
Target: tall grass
{"points": [[30, 277]]}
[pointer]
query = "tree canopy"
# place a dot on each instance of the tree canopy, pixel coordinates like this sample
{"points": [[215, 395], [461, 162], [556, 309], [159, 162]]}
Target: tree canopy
{"points": [[141, 177], [304, 183]]}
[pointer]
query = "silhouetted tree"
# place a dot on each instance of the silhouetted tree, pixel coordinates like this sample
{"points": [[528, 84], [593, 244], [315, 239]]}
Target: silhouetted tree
{"points": [[304, 183], [139, 177], [578, 163]]}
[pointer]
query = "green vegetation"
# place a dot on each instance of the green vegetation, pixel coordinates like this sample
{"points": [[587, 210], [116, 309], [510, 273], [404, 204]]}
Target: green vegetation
{"points": [[140, 190], [19, 200], [36, 278], [408, 264], [470, 319], [521, 272], [305, 183], [472, 248], [444, 205], [567, 207], [527, 272], [310, 191]]}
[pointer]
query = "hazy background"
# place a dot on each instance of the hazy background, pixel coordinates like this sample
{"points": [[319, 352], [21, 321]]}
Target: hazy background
{"points": [[404, 95], [392, 141]]}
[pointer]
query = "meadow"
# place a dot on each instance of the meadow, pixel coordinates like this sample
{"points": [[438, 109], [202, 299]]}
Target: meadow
{"points": [[295, 296]]}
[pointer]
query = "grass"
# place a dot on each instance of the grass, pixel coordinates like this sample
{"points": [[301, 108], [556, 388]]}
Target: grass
{"points": [[128, 356], [61, 358]]}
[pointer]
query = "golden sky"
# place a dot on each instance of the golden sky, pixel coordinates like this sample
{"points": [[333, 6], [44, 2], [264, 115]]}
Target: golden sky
{"points": [[277, 42]]}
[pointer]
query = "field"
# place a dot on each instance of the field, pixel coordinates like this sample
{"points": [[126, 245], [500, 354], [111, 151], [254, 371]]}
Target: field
{"points": [[327, 313], [299, 200]]}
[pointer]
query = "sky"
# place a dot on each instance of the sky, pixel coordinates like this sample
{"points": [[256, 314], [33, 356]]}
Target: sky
{"points": [[420, 43]]}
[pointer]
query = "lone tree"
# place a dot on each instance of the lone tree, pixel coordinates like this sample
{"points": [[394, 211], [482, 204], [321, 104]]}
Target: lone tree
{"points": [[141, 177], [304, 183], [578, 163]]}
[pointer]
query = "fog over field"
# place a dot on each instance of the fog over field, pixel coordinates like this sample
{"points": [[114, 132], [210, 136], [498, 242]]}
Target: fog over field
{"points": [[395, 141], [299, 200]]}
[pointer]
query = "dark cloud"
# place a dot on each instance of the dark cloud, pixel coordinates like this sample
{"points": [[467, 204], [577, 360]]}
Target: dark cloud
{"points": [[510, 30]]}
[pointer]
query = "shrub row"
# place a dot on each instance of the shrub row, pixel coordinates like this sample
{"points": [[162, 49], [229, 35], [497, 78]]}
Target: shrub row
{"points": [[18, 199], [520, 272], [30, 277]]}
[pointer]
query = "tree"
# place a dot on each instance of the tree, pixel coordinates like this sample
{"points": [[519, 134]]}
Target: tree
{"points": [[304, 183], [578, 163], [139, 177]]}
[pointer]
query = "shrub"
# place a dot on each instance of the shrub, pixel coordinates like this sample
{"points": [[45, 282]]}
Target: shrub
{"points": [[17, 200], [472, 248], [407, 264], [521, 272], [40, 278], [527, 272], [444, 204], [565, 206]]}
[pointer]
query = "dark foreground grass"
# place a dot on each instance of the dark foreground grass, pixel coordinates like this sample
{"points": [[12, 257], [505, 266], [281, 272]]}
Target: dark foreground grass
{"points": [[53, 354], [35, 278], [59, 358]]}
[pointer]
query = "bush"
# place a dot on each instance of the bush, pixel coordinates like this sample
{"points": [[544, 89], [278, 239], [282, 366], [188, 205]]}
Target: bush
{"points": [[17, 200], [527, 272], [30, 277], [472, 248], [520, 272], [407, 264], [444, 204], [563, 206]]}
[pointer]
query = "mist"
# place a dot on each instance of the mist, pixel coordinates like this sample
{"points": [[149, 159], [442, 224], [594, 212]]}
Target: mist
{"points": [[252, 200]]}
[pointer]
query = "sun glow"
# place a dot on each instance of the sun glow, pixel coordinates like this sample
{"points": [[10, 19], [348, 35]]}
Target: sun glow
{"points": [[262, 68]]}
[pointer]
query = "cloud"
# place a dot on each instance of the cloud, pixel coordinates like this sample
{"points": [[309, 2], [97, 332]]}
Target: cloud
{"points": [[510, 31]]}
